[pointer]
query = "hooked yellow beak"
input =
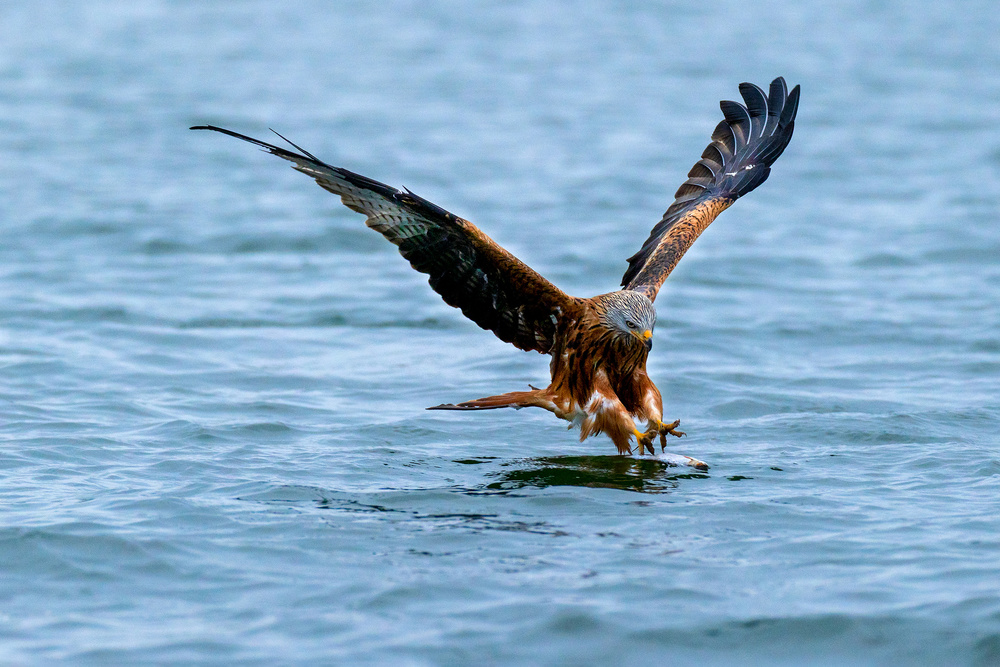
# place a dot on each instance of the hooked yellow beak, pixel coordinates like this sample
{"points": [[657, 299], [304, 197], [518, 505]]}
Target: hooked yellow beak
{"points": [[647, 338]]}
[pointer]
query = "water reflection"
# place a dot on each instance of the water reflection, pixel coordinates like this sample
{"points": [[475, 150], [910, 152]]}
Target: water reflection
{"points": [[609, 472]]}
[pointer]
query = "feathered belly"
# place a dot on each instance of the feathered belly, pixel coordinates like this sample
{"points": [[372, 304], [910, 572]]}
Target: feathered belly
{"points": [[592, 416]]}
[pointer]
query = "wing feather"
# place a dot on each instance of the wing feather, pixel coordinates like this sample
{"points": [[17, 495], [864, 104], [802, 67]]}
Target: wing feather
{"points": [[744, 146], [467, 268]]}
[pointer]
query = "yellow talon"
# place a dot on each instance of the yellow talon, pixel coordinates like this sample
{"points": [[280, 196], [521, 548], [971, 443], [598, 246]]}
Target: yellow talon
{"points": [[645, 440], [671, 428], [656, 428], [664, 429]]}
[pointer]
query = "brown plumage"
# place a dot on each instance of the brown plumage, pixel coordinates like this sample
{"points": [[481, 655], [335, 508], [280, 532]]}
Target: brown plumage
{"points": [[598, 345]]}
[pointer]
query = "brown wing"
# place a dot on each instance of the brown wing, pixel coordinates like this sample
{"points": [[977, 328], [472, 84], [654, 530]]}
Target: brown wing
{"points": [[472, 272], [743, 148]]}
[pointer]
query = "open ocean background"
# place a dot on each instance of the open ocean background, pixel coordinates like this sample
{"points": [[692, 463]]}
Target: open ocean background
{"points": [[213, 443]]}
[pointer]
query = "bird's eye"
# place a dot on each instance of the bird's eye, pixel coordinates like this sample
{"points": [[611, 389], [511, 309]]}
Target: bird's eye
{"points": [[630, 324]]}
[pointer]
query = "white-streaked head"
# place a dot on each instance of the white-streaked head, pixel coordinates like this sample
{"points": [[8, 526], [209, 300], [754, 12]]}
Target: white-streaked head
{"points": [[630, 315]]}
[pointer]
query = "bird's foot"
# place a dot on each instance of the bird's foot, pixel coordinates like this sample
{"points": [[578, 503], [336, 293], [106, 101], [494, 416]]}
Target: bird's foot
{"points": [[656, 428], [662, 430], [645, 440]]}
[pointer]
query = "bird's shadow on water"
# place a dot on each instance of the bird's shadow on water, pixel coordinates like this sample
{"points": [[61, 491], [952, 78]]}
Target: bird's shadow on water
{"points": [[603, 472]]}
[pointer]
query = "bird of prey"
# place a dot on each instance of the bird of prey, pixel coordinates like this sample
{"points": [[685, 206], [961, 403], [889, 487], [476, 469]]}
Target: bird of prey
{"points": [[598, 345]]}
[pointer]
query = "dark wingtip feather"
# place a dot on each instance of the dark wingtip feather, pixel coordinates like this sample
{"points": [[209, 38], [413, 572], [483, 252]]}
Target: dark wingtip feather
{"points": [[777, 94], [739, 122], [750, 166], [295, 146], [754, 97], [791, 108], [464, 406], [743, 148], [223, 130], [271, 148]]}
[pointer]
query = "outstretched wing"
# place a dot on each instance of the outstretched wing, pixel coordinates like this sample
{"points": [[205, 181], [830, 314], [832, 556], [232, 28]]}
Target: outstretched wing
{"points": [[743, 148], [472, 272]]}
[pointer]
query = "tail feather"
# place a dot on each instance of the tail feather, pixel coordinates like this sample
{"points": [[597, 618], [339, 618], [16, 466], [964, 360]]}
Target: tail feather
{"points": [[513, 399]]}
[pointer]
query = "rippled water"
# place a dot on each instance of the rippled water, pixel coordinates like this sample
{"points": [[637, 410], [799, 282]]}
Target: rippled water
{"points": [[214, 447]]}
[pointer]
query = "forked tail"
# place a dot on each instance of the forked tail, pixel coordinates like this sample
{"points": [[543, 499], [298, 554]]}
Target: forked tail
{"points": [[513, 399]]}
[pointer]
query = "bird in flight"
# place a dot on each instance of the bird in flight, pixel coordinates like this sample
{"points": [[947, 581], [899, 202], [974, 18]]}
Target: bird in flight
{"points": [[599, 345]]}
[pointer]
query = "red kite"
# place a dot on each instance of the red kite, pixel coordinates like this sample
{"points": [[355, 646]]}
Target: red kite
{"points": [[598, 345]]}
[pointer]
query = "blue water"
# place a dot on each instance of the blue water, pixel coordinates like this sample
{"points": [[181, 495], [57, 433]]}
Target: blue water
{"points": [[213, 446]]}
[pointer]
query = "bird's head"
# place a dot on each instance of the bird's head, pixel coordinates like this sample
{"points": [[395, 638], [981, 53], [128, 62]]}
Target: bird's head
{"points": [[630, 316]]}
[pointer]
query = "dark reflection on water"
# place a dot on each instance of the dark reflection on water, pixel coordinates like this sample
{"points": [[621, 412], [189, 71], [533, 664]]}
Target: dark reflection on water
{"points": [[606, 472], [305, 497]]}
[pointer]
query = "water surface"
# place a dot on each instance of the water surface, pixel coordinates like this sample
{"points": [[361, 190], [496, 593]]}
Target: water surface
{"points": [[214, 446]]}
